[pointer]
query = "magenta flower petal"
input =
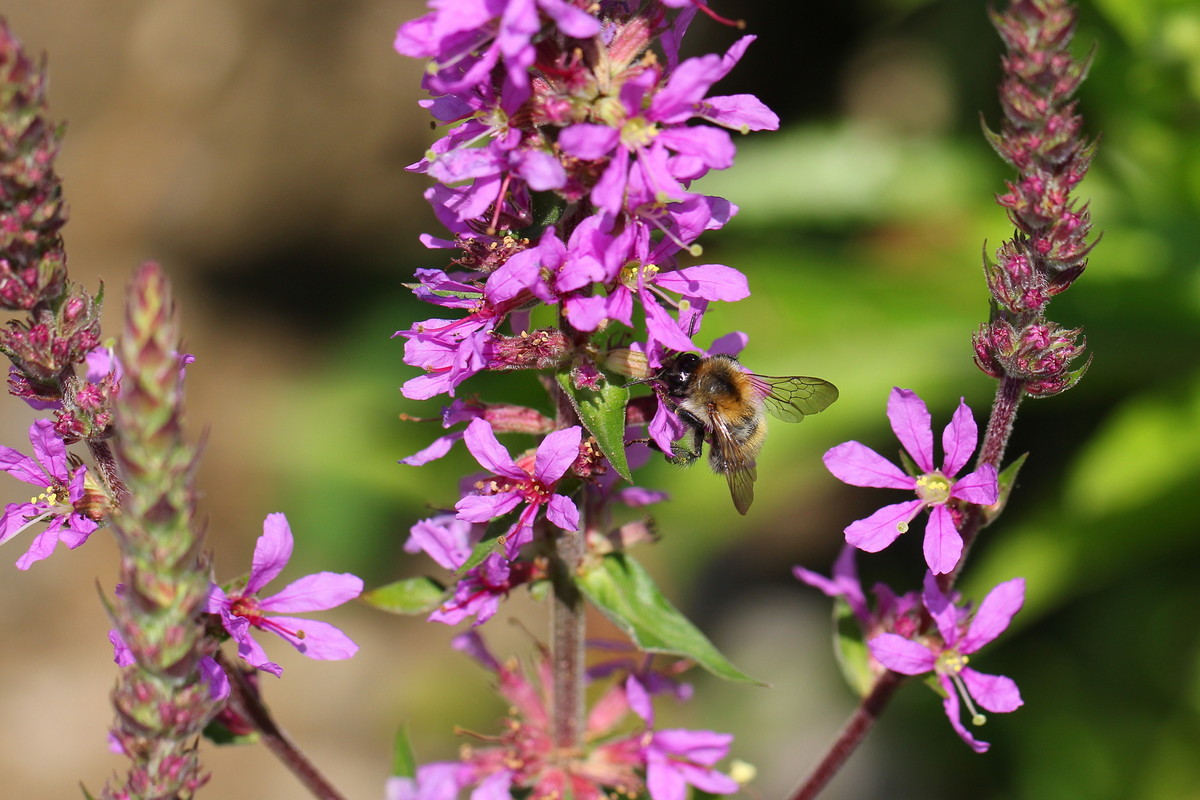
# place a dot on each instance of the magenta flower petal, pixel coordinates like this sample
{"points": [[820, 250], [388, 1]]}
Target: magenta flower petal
{"points": [[959, 439], [315, 639], [943, 544], [42, 545], [859, 465], [980, 487], [484, 508], [48, 448], [950, 704], [315, 592], [21, 466], [901, 655], [561, 510], [881, 528], [913, 426], [588, 141], [996, 693], [271, 552], [556, 454], [994, 614], [710, 281], [944, 613], [481, 441]]}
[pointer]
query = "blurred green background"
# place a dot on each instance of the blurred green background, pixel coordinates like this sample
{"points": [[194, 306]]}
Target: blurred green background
{"points": [[258, 152]]}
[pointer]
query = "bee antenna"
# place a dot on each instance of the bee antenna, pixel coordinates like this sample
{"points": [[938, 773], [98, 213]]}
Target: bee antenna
{"points": [[635, 383]]}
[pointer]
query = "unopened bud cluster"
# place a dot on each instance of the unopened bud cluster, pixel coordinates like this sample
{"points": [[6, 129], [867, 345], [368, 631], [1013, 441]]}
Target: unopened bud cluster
{"points": [[1041, 137]]}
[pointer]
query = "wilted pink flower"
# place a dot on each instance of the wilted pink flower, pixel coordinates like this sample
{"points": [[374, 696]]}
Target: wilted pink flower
{"points": [[859, 465], [241, 610]]}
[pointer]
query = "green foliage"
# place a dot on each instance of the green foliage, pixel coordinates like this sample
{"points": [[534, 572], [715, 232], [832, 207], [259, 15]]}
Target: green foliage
{"points": [[603, 414], [418, 595], [622, 589]]}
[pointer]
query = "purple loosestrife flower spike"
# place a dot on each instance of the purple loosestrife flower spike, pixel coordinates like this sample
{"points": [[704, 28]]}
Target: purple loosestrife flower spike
{"points": [[936, 489], [163, 702], [1041, 136], [242, 609], [58, 505], [33, 266], [961, 635]]}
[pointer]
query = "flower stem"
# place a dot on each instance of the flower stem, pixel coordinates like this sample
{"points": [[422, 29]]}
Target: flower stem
{"points": [[852, 735], [567, 640], [1000, 425], [245, 700]]}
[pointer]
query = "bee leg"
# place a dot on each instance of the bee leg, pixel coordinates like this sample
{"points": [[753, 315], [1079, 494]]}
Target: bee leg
{"points": [[682, 454]]}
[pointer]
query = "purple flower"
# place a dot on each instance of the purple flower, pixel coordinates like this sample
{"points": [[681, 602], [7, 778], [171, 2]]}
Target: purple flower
{"points": [[242, 610], [859, 465], [948, 659], [63, 492], [439, 780], [652, 149], [676, 758], [449, 541], [533, 482]]}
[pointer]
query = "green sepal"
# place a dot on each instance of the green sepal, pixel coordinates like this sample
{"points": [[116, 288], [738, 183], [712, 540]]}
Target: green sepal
{"points": [[1007, 480], [490, 544], [218, 734], [86, 794], [404, 761], [603, 414], [418, 595], [850, 649], [622, 589], [910, 466]]}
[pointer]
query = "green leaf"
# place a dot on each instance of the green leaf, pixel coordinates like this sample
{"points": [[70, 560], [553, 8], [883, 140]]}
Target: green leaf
{"points": [[603, 414], [408, 596], [404, 761], [1008, 479], [622, 589], [489, 544], [851, 649]]}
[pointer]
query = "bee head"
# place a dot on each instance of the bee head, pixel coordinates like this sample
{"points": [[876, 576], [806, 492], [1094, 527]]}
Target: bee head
{"points": [[677, 374]]}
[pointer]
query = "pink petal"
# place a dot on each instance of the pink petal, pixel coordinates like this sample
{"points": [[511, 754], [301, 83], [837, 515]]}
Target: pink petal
{"points": [[944, 612], [859, 465], [994, 614], [561, 510], [996, 693], [315, 593], [950, 704], [913, 426], [588, 141], [42, 545], [271, 552], [959, 439], [320, 640], [13, 521], [22, 467], [485, 508], [980, 487], [881, 528], [943, 544], [556, 454], [481, 441], [48, 448], [710, 281], [901, 655]]}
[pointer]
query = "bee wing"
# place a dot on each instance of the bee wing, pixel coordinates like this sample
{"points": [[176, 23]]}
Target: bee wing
{"points": [[793, 398], [731, 461]]}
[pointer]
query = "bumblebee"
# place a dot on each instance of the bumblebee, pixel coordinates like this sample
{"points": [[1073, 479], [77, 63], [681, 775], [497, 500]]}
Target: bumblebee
{"points": [[727, 406]]}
